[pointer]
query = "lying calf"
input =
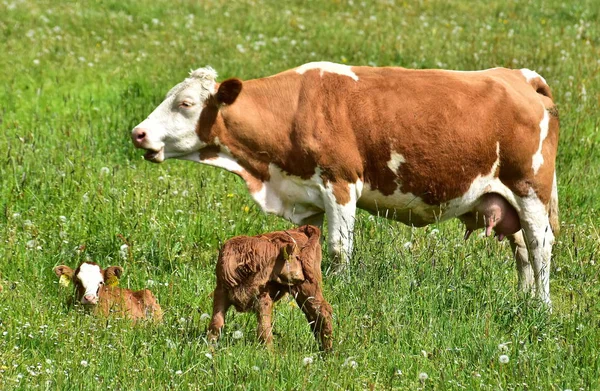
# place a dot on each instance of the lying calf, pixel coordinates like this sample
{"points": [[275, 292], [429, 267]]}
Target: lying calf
{"points": [[97, 289], [254, 272]]}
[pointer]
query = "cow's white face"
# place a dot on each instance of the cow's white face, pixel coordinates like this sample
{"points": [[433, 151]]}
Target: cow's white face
{"points": [[170, 130], [88, 281]]}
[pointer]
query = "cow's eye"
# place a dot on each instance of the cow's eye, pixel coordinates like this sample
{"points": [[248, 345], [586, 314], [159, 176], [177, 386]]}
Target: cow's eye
{"points": [[186, 104]]}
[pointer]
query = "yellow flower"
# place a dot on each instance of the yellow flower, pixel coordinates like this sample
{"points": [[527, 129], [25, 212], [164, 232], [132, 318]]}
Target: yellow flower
{"points": [[246, 209]]}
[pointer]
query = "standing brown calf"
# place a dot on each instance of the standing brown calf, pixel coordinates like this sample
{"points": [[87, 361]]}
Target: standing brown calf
{"points": [[254, 272], [96, 289]]}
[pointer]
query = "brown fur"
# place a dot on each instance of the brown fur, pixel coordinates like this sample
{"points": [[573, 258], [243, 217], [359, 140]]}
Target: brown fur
{"points": [[115, 300], [253, 273]]}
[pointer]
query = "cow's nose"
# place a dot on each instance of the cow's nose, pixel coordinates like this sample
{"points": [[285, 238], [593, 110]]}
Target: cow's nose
{"points": [[138, 136], [89, 299]]}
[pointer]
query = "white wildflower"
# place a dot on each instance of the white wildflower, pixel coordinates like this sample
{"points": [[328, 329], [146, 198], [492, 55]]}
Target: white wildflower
{"points": [[84, 363], [237, 334], [423, 376], [104, 170], [307, 361], [204, 317], [179, 372], [503, 359], [124, 252], [408, 245]]}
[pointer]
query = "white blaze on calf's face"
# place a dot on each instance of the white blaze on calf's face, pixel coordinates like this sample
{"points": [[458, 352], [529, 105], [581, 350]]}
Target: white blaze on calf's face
{"points": [[90, 277], [170, 130]]}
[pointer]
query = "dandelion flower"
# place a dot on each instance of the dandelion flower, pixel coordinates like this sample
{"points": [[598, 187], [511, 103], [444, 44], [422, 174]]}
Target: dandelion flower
{"points": [[503, 359], [350, 363], [179, 372], [204, 317], [255, 368], [104, 170], [84, 363], [423, 376], [124, 252], [307, 361], [237, 334]]}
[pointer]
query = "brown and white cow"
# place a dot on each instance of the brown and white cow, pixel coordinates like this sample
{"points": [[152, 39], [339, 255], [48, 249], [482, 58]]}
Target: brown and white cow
{"points": [[97, 290], [418, 146]]}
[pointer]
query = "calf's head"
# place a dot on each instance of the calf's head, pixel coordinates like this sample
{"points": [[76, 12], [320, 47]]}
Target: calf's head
{"points": [[170, 130], [88, 279]]}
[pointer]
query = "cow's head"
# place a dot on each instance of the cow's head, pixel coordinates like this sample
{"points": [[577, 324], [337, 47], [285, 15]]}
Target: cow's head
{"points": [[170, 130], [88, 279]]}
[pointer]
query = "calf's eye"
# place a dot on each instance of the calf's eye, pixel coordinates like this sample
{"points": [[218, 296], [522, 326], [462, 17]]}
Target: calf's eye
{"points": [[186, 104]]}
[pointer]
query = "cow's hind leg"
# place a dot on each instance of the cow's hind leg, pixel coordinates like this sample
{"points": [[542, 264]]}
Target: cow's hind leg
{"points": [[340, 207], [539, 240], [524, 270]]}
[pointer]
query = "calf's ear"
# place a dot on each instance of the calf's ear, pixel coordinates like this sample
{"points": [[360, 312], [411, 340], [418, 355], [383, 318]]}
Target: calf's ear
{"points": [[63, 270], [289, 251], [112, 275], [228, 91], [65, 275]]}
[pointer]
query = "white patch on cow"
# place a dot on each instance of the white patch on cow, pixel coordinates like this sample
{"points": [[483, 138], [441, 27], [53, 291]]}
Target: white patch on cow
{"points": [[482, 184], [223, 161], [90, 277], [411, 209], [171, 127], [395, 160], [290, 196], [530, 75], [325, 66], [538, 158]]}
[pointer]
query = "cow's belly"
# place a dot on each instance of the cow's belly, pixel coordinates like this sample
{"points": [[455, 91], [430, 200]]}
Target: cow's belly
{"points": [[412, 210]]}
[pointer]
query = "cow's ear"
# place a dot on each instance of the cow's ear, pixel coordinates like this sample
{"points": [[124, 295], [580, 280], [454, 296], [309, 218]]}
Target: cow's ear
{"points": [[228, 91], [63, 270], [290, 250], [113, 272], [65, 275]]}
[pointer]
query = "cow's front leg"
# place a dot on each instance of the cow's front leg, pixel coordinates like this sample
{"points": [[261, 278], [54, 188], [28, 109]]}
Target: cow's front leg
{"points": [[340, 208]]}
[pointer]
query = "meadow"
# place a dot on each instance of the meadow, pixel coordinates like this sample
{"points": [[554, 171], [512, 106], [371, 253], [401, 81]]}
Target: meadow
{"points": [[418, 309]]}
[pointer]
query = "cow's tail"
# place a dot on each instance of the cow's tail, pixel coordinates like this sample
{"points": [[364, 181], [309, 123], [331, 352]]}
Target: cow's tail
{"points": [[553, 208]]}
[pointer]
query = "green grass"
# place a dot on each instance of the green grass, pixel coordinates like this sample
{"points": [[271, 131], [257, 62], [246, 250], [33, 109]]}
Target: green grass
{"points": [[75, 77]]}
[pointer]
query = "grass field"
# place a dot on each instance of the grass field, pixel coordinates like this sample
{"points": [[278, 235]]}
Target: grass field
{"points": [[75, 77]]}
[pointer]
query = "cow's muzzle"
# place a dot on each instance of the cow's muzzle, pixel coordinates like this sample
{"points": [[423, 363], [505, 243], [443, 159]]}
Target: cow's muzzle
{"points": [[139, 136]]}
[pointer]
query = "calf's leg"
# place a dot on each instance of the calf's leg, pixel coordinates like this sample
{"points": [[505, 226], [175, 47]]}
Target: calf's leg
{"points": [[264, 311], [220, 306], [317, 311]]}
